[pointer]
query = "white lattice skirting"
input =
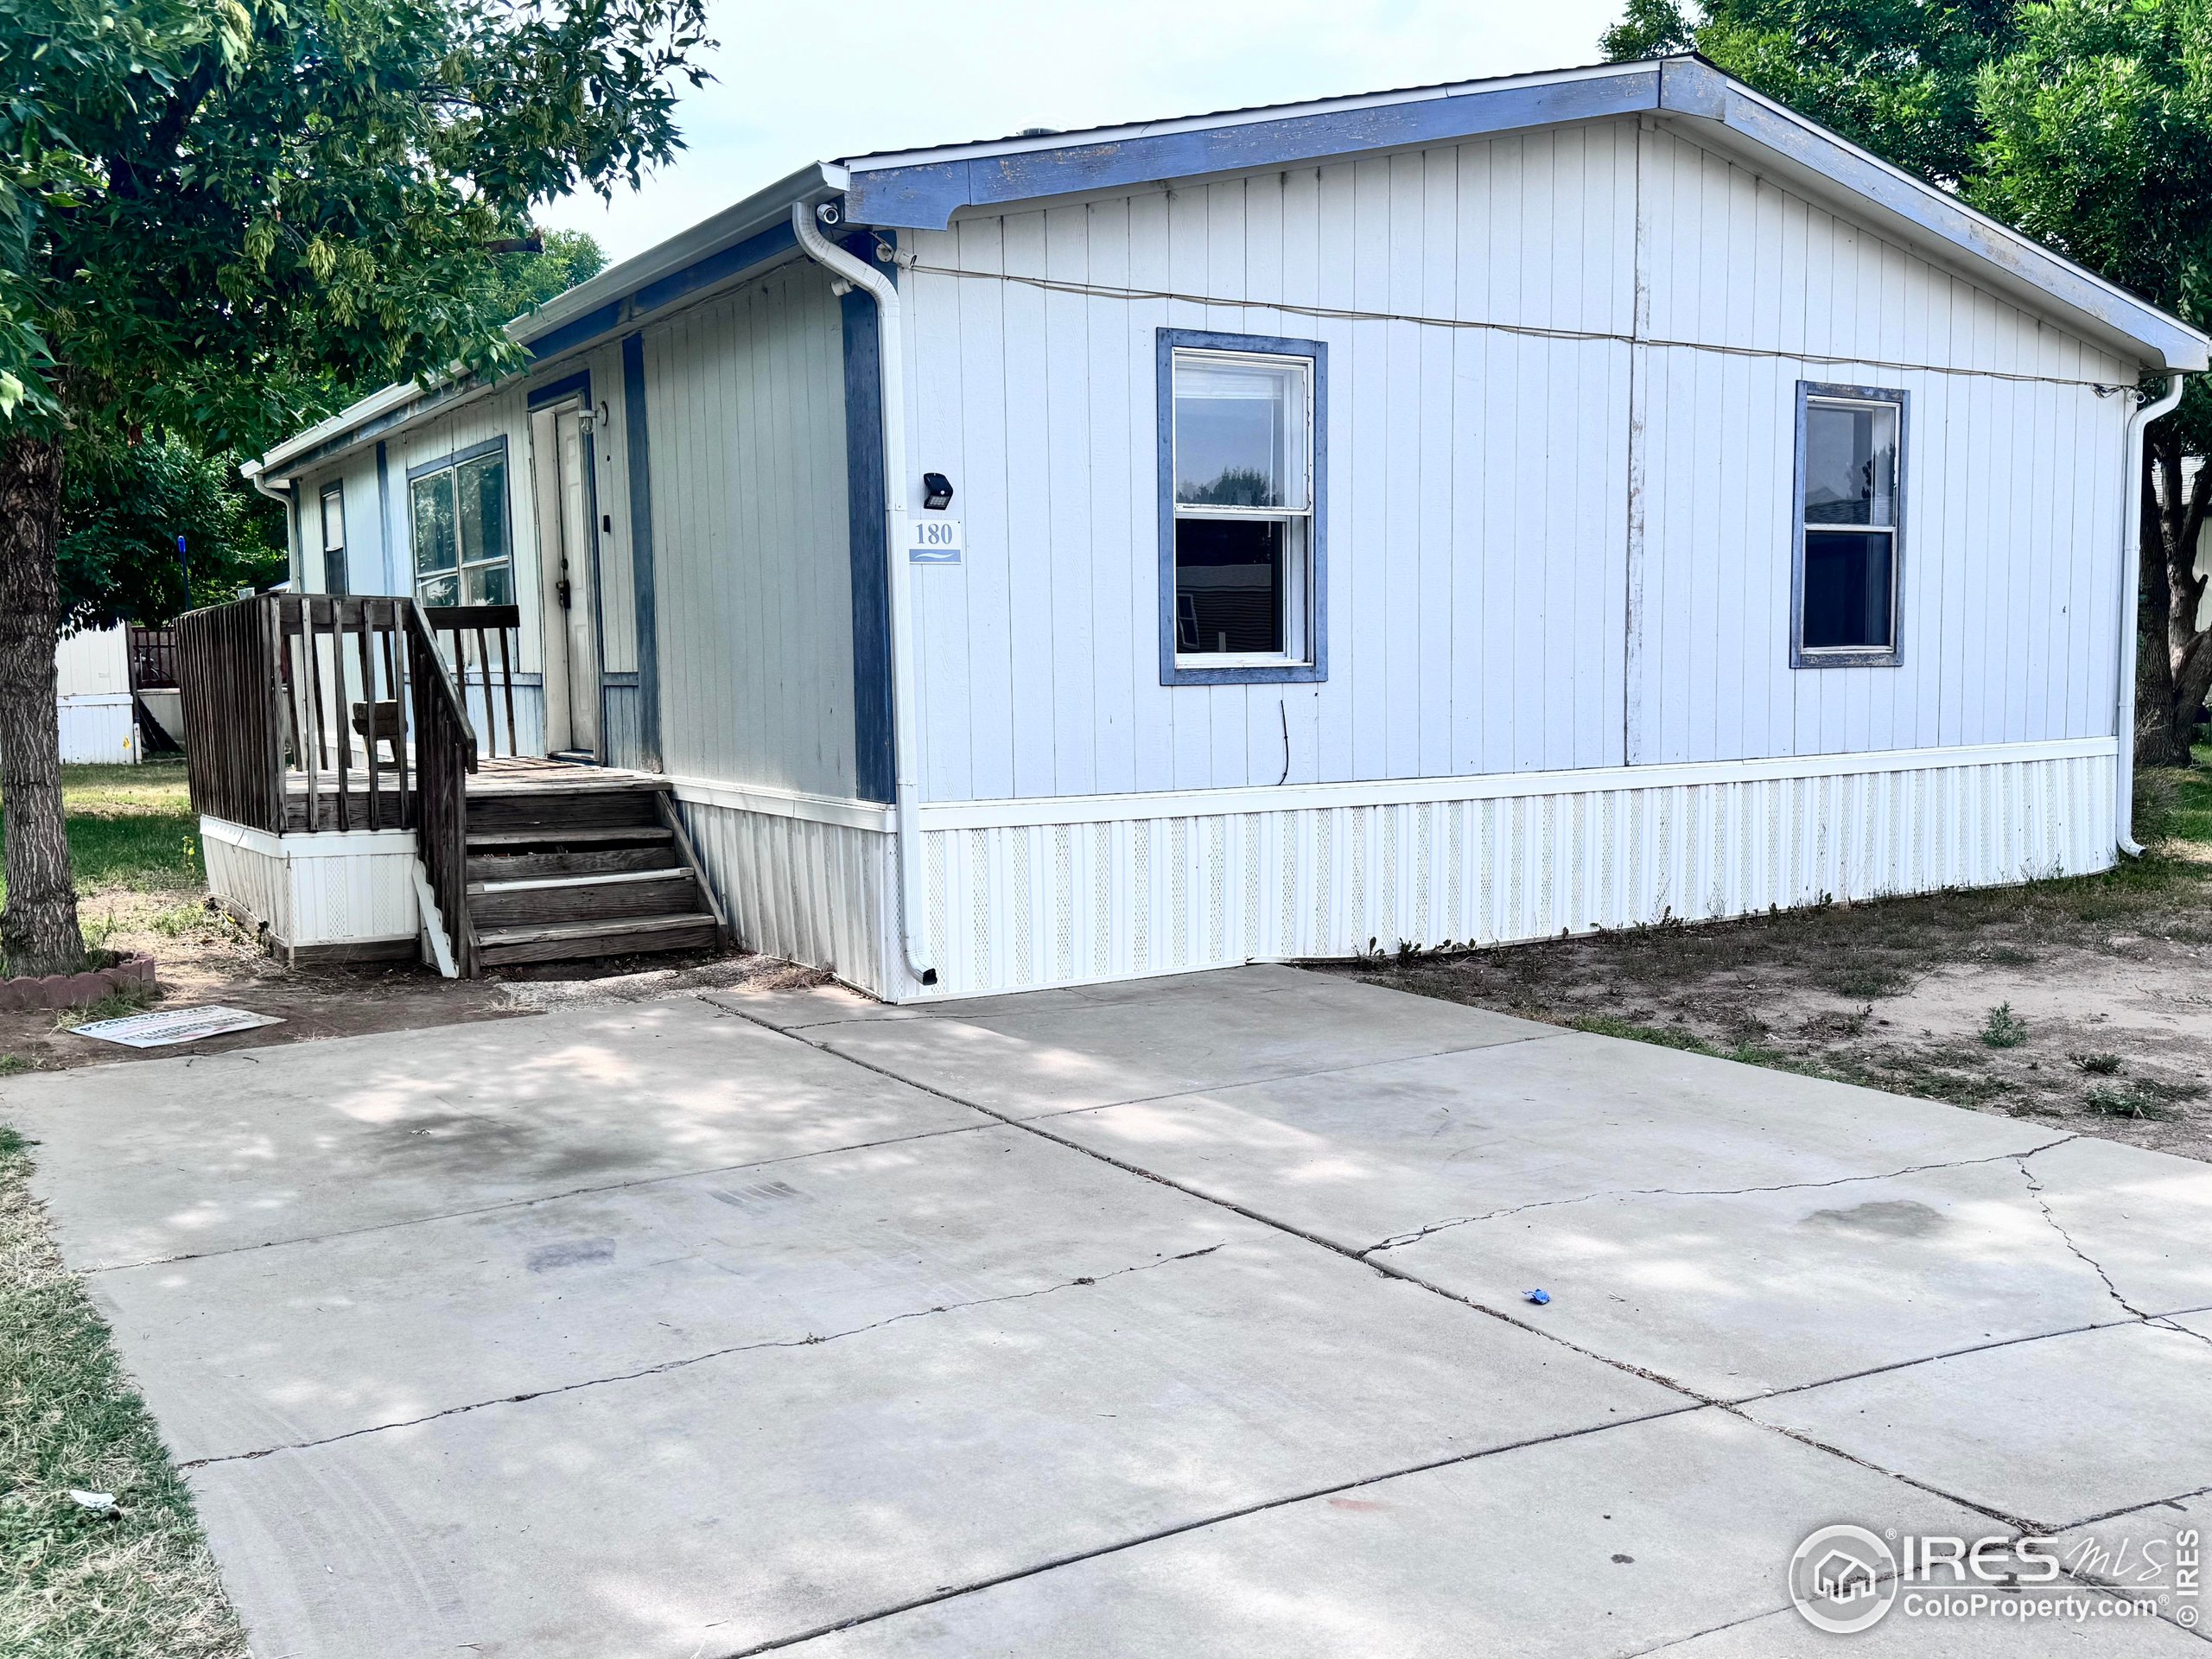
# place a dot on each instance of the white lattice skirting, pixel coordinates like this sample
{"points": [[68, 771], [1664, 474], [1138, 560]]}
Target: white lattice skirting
{"points": [[1022, 894]]}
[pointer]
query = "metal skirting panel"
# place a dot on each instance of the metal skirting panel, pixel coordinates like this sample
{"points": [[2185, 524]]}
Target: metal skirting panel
{"points": [[97, 728], [1017, 906], [808, 892], [315, 890]]}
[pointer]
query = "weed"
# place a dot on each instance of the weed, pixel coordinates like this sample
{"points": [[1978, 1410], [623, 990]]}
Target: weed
{"points": [[1606, 1024], [2004, 1028], [2168, 1093], [2009, 955], [1863, 982], [2121, 1100], [179, 921], [114, 1006], [11, 1064], [2098, 1065]]}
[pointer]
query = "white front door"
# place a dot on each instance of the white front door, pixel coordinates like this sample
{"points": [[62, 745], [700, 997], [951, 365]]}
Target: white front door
{"points": [[571, 607]]}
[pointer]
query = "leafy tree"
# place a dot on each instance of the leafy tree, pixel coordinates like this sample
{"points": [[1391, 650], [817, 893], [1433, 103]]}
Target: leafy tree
{"points": [[1898, 76], [2100, 143], [2087, 124], [216, 216], [123, 508], [528, 280], [125, 504]]}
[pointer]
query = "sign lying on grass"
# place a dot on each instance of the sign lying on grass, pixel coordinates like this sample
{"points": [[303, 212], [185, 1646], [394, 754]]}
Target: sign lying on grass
{"points": [[174, 1025]]}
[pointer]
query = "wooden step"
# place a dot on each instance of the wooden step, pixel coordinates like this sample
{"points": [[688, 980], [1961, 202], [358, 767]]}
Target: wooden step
{"points": [[619, 836], [556, 898], [625, 936], [610, 806], [590, 860]]}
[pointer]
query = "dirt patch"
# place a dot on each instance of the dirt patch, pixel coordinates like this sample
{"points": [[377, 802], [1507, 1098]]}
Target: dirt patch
{"points": [[2084, 1004], [205, 957]]}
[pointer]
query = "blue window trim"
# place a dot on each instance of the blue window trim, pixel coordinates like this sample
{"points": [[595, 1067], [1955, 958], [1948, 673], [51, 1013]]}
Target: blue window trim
{"points": [[446, 463], [384, 517], [1890, 658], [473, 452], [335, 486], [1317, 564]]}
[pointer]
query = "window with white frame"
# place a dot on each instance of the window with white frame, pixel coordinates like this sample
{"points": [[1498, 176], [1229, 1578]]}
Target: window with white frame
{"points": [[462, 552], [334, 540], [1239, 507], [1850, 524]]}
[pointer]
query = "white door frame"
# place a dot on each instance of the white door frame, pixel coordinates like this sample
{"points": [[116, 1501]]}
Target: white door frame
{"points": [[564, 629]]}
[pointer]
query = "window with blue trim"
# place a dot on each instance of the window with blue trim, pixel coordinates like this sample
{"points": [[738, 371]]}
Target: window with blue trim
{"points": [[1850, 525], [1241, 508], [462, 552]]}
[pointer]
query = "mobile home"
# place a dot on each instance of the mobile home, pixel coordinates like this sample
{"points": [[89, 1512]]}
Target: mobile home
{"points": [[1444, 516]]}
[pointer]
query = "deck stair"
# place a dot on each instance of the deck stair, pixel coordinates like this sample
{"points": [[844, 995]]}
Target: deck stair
{"points": [[582, 866]]}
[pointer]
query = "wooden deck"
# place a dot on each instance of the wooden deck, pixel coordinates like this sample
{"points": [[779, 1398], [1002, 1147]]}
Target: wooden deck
{"points": [[494, 778]]}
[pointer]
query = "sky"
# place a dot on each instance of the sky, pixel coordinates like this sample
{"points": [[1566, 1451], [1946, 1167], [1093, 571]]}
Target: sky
{"points": [[801, 84]]}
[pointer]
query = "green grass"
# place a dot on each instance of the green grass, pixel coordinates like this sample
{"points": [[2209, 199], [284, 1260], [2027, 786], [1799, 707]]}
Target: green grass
{"points": [[73, 1584], [128, 827], [2188, 817]]}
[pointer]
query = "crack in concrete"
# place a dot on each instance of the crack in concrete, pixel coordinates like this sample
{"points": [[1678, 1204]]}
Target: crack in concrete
{"points": [[689, 1360], [2163, 1321], [1400, 1239], [954, 1592], [1734, 1409]]}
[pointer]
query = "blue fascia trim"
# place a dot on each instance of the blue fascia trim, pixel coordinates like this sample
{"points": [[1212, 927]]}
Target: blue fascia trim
{"points": [[490, 446], [1694, 88], [641, 546], [926, 196], [732, 260], [1799, 657], [568, 385], [577, 331], [874, 763], [1316, 668], [384, 517]]}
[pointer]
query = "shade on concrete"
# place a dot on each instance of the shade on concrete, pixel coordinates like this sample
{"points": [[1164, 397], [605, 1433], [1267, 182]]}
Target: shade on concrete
{"points": [[1173, 1317]]}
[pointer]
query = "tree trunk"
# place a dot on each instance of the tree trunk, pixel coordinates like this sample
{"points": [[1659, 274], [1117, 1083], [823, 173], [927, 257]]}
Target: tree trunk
{"points": [[2173, 672], [39, 929]]}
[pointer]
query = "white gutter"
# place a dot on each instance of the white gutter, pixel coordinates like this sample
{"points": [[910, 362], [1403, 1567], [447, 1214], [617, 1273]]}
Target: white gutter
{"points": [[2131, 594], [890, 380]]}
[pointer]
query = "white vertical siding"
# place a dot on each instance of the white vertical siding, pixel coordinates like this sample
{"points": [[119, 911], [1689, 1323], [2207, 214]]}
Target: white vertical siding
{"points": [[502, 414], [1509, 588], [752, 559], [2012, 510], [1476, 533]]}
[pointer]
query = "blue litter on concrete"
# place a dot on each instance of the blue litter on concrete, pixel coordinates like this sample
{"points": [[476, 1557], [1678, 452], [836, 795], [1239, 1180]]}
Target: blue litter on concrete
{"points": [[1539, 1297]]}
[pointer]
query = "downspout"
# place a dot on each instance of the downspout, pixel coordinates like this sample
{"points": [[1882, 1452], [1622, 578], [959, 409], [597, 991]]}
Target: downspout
{"points": [[914, 933], [251, 473], [2131, 594]]}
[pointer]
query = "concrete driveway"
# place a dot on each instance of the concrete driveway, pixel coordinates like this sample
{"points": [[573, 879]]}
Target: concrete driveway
{"points": [[1173, 1318]]}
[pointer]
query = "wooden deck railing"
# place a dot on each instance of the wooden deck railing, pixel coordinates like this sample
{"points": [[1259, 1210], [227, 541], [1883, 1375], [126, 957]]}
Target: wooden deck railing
{"points": [[447, 745], [153, 657], [304, 712]]}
